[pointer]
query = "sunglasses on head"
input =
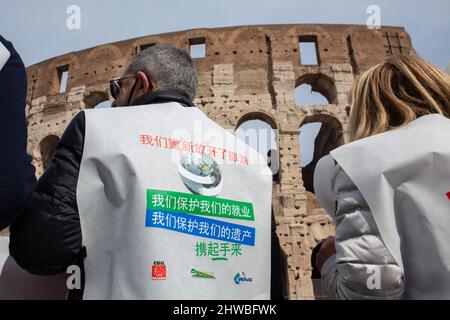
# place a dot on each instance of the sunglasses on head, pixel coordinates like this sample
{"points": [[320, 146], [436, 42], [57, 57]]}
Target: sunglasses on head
{"points": [[115, 85]]}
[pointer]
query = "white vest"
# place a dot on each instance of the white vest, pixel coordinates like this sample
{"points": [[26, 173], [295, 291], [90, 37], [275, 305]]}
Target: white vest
{"points": [[404, 176], [172, 206]]}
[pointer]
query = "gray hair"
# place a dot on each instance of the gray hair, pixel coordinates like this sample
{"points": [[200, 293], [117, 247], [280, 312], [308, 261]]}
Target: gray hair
{"points": [[170, 67]]}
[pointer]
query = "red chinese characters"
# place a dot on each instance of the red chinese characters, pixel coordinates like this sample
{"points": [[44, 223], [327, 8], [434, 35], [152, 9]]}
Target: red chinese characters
{"points": [[188, 146]]}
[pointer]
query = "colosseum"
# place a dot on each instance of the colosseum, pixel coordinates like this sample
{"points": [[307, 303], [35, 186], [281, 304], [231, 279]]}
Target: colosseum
{"points": [[245, 73]]}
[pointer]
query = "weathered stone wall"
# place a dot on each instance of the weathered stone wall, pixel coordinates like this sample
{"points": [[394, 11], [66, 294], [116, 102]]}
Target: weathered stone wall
{"points": [[249, 72]]}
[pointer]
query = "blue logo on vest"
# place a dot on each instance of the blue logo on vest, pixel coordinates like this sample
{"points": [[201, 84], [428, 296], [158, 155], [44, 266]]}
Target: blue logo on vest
{"points": [[240, 277]]}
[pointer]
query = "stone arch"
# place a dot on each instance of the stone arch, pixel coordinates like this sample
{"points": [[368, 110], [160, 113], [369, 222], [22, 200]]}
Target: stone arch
{"points": [[329, 137], [258, 115], [267, 130], [324, 117], [93, 98], [47, 148], [320, 83]]}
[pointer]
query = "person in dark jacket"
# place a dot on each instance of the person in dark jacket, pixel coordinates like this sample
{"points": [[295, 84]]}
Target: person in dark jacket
{"points": [[47, 239], [17, 179]]}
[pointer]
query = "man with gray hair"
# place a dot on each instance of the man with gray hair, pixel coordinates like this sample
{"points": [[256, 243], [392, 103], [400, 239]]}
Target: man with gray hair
{"points": [[134, 206], [161, 68]]}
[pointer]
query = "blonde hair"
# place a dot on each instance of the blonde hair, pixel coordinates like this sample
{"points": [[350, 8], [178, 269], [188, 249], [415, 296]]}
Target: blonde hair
{"points": [[396, 92]]}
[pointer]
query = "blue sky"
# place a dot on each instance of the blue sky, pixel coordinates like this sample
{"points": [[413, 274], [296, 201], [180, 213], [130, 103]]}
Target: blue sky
{"points": [[38, 28]]}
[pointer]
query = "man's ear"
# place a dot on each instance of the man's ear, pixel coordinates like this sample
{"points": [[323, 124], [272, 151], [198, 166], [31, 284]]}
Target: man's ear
{"points": [[143, 84], [147, 83]]}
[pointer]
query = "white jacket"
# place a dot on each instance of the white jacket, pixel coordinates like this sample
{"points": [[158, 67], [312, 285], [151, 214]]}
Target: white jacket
{"points": [[361, 253], [389, 196]]}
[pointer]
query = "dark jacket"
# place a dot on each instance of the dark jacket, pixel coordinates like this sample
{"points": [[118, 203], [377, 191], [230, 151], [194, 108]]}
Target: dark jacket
{"points": [[17, 179], [47, 239]]}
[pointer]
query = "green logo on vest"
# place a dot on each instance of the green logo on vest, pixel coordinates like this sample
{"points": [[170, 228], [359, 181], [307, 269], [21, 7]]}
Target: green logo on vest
{"points": [[201, 274]]}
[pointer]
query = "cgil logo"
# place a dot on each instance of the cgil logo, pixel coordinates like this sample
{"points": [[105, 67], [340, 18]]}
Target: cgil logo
{"points": [[240, 277], [159, 270]]}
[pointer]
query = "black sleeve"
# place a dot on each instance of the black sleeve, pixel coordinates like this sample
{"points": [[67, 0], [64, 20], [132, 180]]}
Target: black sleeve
{"points": [[47, 238], [278, 267], [315, 273], [17, 179]]}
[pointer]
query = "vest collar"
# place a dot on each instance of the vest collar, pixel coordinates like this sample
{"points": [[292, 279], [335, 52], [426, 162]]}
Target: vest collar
{"points": [[161, 97]]}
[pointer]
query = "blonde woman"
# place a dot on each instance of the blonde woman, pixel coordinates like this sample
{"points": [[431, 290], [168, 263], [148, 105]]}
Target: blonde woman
{"points": [[388, 190]]}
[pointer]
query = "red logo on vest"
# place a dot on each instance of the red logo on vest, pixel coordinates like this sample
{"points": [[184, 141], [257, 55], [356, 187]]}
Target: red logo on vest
{"points": [[448, 195], [159, 271]]}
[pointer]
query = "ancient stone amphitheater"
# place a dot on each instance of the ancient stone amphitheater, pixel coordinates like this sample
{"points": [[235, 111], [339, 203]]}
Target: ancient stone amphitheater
{"points": [[246, 73]]}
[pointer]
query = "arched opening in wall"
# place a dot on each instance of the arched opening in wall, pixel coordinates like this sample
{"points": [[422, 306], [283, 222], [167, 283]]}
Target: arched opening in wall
{"points": [[259, 131], [319, 134], [308, 135], [103, 105], [306, 96], [314, 89], [97, 99], [47, 149]]}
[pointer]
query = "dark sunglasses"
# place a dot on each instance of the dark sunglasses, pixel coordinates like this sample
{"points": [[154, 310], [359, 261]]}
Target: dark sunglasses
{"points": [[115, 85]]}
